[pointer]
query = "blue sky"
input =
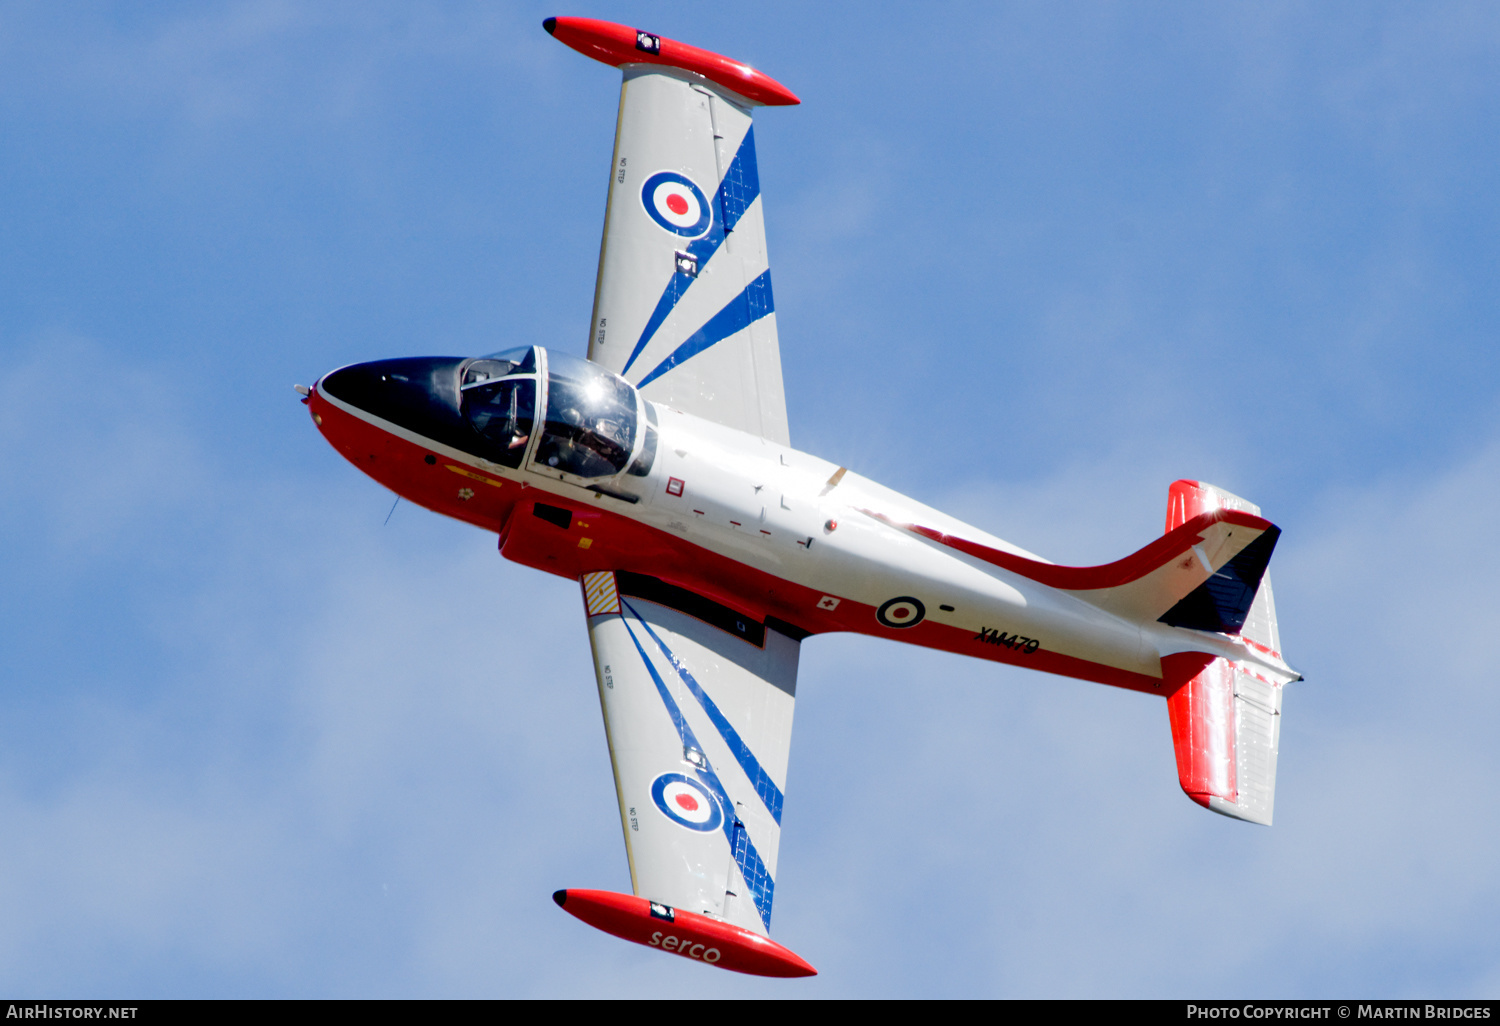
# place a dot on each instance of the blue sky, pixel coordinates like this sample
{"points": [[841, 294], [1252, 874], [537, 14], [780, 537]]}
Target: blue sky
{"points": [[1032, 263]]}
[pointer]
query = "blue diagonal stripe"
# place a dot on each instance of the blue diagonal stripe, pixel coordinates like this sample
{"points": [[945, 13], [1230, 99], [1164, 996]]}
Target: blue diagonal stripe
{"points": [[759, 778], [743, 310], [740, 187], [741, 183], [674, 291], [752, 867]]}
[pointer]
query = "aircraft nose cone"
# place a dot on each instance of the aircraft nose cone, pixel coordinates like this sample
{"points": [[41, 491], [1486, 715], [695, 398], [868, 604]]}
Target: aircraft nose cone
{"points": [[419, 394]]}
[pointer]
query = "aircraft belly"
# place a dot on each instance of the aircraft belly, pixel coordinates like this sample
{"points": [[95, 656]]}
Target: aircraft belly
{"points": [[657, 474], [790, 564], [761, 505], [873, 568]]}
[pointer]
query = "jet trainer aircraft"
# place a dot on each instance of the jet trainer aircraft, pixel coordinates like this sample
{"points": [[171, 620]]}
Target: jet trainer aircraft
{"points": [[659, 474]]}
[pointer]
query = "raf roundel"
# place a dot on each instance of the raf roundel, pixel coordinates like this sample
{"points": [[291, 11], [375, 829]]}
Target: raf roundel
{"points": [[901, 612], [685, 802], [676, 203]]}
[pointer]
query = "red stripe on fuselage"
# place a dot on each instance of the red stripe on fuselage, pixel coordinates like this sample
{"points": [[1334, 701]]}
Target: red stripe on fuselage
{"points": [[402, 467], [617, 542], [1092, 578]]}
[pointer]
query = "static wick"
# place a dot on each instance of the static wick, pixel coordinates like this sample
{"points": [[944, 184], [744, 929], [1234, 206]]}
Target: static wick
{"points": [[393, 509]]}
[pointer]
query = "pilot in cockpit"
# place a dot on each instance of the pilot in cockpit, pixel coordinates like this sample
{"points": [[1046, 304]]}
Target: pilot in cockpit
{"points": [[590, 423], [591, 414]]}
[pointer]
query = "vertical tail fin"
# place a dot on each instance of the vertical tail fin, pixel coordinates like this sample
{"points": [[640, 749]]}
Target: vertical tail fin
{"points": [[1226, 716]]}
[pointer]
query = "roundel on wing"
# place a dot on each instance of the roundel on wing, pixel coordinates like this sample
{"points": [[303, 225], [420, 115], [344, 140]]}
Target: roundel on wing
{"points": [[676, 203], [685, 802], [903, 611]]}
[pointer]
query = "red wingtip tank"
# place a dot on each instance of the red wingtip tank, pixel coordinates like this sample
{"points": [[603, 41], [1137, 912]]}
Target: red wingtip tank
{"points": [[617, 45], [701, 938]]}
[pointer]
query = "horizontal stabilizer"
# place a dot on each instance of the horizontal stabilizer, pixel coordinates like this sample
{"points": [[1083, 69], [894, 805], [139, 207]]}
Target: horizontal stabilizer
{"points": [[1222, 602], [1226, 729], [1226, 716]]}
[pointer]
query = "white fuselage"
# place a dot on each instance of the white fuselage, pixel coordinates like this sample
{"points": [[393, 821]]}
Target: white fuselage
{"points": [[805, 520], [843, 542]]}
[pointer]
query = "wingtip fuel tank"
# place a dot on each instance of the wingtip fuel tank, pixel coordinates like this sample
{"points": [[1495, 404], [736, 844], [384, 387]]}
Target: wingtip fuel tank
{"points": [[617, 45], [701, 938]]}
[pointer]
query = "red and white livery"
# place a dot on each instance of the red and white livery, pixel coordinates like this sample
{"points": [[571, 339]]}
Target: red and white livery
{"points": [[659, 474]]}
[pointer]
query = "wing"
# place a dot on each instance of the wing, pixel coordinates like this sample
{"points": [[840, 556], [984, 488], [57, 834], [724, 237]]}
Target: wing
{"points": [[697, 702], [683, 305]]}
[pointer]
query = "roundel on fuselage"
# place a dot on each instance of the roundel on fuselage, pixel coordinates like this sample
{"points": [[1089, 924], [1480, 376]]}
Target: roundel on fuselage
{"points": [[904, 611], [675, 202]]}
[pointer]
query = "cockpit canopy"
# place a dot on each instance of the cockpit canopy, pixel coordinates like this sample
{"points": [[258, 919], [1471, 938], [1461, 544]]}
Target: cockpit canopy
{"points": [[499, 402], [589, 429]]}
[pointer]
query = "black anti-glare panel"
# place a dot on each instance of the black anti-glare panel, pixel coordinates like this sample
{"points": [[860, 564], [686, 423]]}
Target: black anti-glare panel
{"points": [[1222, 602], [418, 393]]}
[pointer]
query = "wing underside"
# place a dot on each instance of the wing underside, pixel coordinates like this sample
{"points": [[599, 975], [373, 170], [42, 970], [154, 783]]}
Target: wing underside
{"points": [[697, 701], [683, 307]]}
